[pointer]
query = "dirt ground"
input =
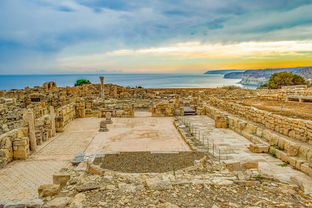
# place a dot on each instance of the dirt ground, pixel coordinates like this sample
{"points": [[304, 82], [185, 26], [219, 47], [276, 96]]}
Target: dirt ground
{"points": [[289, 109]]}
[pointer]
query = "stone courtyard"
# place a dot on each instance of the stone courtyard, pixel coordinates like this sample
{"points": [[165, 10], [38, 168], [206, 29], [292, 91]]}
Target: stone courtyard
{"points": [[21, 179], [138, 134], [103, 145]]}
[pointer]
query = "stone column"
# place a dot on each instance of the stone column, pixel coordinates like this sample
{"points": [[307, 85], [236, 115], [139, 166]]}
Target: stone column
{"points": [[30, 120], [115, 92], [103, 126], [108, 117], [102, 87], [52, 115]]}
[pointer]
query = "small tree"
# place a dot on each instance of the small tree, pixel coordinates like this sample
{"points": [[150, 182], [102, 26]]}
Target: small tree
{"points": [[80, 82], [277, 80]]}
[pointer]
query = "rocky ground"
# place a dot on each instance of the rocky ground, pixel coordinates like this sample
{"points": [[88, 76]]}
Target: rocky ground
{"points": [[206, 184]]}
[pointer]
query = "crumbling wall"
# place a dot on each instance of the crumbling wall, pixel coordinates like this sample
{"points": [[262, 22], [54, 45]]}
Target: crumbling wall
{"points": [[11, 115], [14, 145], [295, 128], [297, 153], [64, 115]]}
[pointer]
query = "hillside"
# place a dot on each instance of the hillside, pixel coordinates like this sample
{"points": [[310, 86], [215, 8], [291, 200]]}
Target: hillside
{"points": [[226, 71], [259, 76]]}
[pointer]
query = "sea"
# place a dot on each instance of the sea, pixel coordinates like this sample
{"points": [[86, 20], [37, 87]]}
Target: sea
{"points": [[8, 82]]}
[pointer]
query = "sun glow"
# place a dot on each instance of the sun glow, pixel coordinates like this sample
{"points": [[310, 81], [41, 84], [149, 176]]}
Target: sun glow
{"points": [[198, 57]]}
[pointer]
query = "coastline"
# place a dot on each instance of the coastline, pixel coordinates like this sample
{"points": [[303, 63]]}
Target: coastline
{"points": [[8, 82]]}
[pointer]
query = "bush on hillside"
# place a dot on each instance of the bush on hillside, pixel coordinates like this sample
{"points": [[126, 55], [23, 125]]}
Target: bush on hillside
{"points": [[277, 80], [80, 82]]}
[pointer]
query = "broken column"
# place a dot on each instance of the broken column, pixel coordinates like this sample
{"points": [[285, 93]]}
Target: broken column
{"points": [[30, 120], [103, 126], [52, 115], [115, 92], [108, 117], [21, 148], [102, 87]]}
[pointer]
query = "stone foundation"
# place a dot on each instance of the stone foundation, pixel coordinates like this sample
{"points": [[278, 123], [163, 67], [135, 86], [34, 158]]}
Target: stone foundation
{"points": [[297, 153]]}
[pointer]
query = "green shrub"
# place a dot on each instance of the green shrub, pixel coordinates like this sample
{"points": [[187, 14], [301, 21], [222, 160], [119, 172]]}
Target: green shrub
{"points": [[285, 164], [277, 80], [80, 82]]}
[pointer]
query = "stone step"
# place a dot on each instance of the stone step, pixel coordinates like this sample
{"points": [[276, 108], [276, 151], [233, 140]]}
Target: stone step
{"points": [[297, 153]]}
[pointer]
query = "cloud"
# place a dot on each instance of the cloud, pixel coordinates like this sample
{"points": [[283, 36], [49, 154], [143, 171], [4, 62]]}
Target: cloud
{"points": [[192, 54], [58, 29]]}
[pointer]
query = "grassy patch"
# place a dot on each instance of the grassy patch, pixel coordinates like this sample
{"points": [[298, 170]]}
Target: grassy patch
{"points": [[285, 164], [273, 153], [258, 177], [277, 147]]}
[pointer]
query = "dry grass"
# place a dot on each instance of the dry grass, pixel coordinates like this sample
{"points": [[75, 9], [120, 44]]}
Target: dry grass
{"points": [[289, 109]]}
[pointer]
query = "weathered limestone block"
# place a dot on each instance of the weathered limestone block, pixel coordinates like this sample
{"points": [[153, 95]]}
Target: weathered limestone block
{"points": [[158, 184], [258, 148], [233, 165], [259, 132], [61, 178], [5, 157], [251, 129], [94, 169], [282, 155], [292, 161], [29, 118], [249, 164], [221, 122], [306, 168], [58, 202], [281, 143], [39, 136], [21, 148], [78, 200], [108, 117], [48, 190], [33, 203], [103, 126], [299, 163], [291, 148], [306, 187]]}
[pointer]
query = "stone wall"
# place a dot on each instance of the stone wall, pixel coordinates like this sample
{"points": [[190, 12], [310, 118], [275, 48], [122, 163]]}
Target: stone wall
{"points": [[144, 162], [295, 128], [14, 145], [44, 128], [64, 115], [11, 115], [297, 153]]}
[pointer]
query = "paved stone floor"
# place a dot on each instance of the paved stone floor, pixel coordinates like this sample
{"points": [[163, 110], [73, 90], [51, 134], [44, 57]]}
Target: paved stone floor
{"points": [[20, 179], [139, 134], [228, 145]]}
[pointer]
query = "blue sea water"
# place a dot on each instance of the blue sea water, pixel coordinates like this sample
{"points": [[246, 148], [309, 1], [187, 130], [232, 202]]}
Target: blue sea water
{"points": [[145, 80]]}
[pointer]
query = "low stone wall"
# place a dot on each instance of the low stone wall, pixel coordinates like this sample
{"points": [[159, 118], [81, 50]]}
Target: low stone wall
{"points": [[144, 162], [295, 128], [64, 115], [297, 153], [44, 128], [14, 145]]}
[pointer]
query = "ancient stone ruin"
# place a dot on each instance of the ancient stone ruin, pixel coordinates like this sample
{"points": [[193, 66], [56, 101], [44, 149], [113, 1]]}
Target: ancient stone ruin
{"points": [[136, 147]]}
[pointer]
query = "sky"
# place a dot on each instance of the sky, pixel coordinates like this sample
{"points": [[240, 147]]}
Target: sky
{"points": [[153, 36]]}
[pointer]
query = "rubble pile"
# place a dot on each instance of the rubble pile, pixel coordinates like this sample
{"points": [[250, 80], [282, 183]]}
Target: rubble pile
{"points": [[207, 184]]}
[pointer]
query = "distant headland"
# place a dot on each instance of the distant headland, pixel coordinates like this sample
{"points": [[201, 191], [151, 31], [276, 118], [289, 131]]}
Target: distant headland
{"points": [[260, 76]]}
